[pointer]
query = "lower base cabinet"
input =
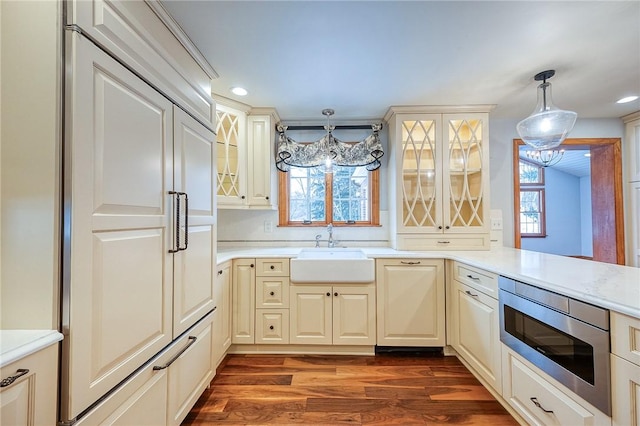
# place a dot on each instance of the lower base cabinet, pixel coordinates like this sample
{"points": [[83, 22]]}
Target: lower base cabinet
{"points": [[541, 402], [625, 389], [338, 314], [164, 391], [31, 398]]}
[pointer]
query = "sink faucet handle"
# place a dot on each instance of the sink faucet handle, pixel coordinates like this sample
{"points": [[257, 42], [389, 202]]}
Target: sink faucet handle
{"points": [[318, 240]]}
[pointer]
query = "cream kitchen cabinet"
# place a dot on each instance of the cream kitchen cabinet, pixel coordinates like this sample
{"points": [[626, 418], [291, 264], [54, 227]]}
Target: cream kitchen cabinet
{"points": [[473, 321], [165, 389], [333, 314], [222, 317], [28, 392], [540, 400], [410, 302], [632, 153], [140, 223], [625, 369], [440, 185], [243, 300], [245, 140], [272, 301]]}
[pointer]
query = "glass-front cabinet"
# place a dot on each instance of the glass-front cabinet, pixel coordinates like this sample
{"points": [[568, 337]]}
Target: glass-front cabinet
{"points": [[230, 137], [441, 180]]}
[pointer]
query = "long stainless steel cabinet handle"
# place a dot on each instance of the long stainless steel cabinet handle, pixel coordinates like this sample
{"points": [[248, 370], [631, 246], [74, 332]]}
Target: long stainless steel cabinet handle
{"points": [[192, 340], [177, 223]]}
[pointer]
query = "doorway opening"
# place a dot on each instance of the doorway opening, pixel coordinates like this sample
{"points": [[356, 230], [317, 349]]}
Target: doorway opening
{"points": [[607, 223]]}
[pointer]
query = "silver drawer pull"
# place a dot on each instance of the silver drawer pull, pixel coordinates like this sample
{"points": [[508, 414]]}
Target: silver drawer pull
{"points": [[9, 380], [409, 262], [470, 294], [537, 404], [473, 278], [176, 356]]}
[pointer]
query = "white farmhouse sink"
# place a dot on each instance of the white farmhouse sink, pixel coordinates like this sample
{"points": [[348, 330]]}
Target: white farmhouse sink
{"points": [[335, 265]]}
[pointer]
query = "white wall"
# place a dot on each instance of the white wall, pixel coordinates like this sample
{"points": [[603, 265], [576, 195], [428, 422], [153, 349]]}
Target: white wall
{"points": [[563, 224]]}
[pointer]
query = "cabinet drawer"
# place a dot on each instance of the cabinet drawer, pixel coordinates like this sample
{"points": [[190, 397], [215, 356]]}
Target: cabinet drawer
{"points": [[625, 337], [272, 292], [443, 242], [479, 279], [540, 402], [272, 267], [272, 326]]}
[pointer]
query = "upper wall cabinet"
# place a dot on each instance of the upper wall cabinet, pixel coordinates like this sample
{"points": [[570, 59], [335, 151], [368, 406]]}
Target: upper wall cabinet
{"points": [[142, 35], [245, 143], [632, 152], [441, 181]]}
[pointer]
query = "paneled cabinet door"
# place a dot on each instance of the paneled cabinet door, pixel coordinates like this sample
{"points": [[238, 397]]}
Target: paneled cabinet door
{"points": [[222, 317], [194, 174], [625, 378], [311, 314], [244, 300], [410, 302], [231, 156], [119, 148], [476, 332], [354, 315], [261, 139]]}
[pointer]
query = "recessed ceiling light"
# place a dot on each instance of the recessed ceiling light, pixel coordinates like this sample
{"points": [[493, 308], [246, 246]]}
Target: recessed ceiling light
{"points": [[240, 91], [626, 99]]}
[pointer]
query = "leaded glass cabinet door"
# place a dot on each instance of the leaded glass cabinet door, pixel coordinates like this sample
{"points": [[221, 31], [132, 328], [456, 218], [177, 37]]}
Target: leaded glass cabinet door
{"points": [[465, 172], [420, 188], [230, 137]]}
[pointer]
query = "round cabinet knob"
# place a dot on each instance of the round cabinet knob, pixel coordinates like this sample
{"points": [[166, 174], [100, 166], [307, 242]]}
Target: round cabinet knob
{"points": [[439, 227], [335, 294], [266, 198], [243, 197], [272, 267], [219, 272], [447, 227], [328, 294], [271, 327], [251, 265], [271, 293]]}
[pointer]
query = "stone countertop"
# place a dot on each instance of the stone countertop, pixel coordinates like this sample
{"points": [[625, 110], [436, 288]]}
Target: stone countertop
{"points": [[610, 286], [17, 344]]}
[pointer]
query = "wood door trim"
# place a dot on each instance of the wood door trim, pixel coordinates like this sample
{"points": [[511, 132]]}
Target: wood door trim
{"points": [[613, 146]]}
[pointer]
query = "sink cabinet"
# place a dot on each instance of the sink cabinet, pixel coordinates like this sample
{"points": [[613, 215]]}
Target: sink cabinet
{"points": [[333, 314], [441, 182], [410, 302]]}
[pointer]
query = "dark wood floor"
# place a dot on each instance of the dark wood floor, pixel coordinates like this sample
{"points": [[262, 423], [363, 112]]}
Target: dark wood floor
{"points": [[355, 390]]}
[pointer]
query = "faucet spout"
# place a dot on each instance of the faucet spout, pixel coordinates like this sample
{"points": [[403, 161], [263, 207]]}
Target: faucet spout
{"points": [[330, 242]]}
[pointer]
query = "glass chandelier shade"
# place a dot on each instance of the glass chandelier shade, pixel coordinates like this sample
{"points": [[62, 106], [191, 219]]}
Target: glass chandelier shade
{"points": [[548, 125], [546, 158], [328, 151]]}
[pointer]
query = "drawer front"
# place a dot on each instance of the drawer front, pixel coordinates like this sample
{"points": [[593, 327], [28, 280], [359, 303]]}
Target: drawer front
{"points": [[625, 337], [442, 242], [272, 326], [272, 267], [478, 279], [272, 292], [542, 403]]}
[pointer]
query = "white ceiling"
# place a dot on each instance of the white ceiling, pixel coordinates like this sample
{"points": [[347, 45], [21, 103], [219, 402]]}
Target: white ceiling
{"points": [[360, 57]]}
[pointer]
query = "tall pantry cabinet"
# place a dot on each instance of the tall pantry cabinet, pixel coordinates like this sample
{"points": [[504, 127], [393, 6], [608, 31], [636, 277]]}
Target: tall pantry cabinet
{"points": [[140, 214], [632, 151]]}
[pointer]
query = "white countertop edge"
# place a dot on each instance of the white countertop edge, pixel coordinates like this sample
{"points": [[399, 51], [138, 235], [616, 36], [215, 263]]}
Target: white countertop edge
{"points": [[598, 283], [17, 344]]}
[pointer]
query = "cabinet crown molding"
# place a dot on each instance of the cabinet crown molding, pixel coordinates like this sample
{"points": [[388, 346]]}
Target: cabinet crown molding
{"points": [[435, 109]]}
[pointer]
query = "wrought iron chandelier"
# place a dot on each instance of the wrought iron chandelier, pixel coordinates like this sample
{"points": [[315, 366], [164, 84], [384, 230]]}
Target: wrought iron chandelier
{"points": [[328, 151], [546, 158], [548, 125]]}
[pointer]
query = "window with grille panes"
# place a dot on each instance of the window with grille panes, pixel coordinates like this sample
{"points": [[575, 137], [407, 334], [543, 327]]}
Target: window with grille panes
{"points": [[348, 196], [532, 211]]}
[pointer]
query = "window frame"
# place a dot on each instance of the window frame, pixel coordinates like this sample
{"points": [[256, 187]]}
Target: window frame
{"points": [[538, 187], [374, 202]]}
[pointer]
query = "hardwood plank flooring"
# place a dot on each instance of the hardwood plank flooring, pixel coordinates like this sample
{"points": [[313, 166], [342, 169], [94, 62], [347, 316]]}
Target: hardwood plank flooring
{"points": [[354, 390]]}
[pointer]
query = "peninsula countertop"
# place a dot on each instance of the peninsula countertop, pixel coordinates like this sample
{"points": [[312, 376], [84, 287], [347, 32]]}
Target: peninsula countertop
{"points": [[614, 287]]}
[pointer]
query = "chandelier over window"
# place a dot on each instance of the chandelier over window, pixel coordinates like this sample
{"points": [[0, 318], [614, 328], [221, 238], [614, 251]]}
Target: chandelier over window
{"points": [[548, 125], [546, 158], [328, 151]]}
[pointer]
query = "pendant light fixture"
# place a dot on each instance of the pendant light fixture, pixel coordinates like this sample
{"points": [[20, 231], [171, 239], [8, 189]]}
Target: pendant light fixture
{"points": [[546, 158], [548, 125]]}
